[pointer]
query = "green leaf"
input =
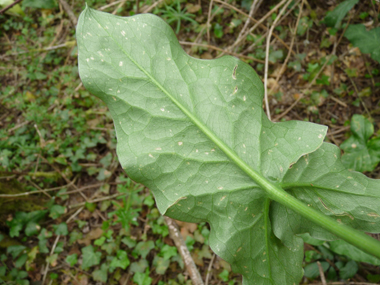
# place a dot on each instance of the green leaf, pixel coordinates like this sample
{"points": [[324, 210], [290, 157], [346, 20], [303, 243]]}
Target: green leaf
{"points": [[218, 31], [361, 153], [276, 55], [56, 211], [304, 25], [349, 270], [143, 248], [375, 278], [22, 282], [224, 275], [101, 274], [139, 266], [161, 264], [32, 228], [52, 258], [72, 259], [90, 258], [128, 242], [59, 247], [91, 207], [142, 278], [61, 229], [322, 182], [121, 261], [312, 269], [106, 160], [3, 270], [21, 260], [194, 132], [100, 241], [366, 41], [41, 4], [42, 237], [74, 236], [15, 10], [168, 251], [15, 250], [343, 248], [335, 17]]}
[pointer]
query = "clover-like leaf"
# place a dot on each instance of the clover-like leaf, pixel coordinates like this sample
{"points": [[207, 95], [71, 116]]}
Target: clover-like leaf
{"points": [[194, 132]]}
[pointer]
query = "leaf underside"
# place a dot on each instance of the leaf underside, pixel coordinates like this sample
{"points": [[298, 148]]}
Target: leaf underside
{"points": [[179, 120]]}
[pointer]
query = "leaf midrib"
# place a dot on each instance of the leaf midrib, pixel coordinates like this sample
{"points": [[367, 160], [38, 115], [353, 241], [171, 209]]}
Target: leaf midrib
{"points": [[227, 150], [254, 175]]}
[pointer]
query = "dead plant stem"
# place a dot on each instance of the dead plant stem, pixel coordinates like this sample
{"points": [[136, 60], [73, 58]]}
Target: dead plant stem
{"points": [[267, 58]]}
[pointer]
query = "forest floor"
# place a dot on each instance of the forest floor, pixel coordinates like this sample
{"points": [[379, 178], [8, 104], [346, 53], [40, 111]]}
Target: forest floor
{"points": [[69, 214]]}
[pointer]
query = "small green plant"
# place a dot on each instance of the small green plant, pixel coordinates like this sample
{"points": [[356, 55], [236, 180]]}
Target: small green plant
{"points": [[172, 15], [334, 18], [127, 214], [366, 41], [338, 259], [194, 132], [362, 149]]}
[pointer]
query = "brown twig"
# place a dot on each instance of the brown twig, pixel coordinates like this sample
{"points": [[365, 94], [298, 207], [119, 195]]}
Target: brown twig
{"points": [[289, 109], [267, 58], [39, 188], [118, 7], [185, 254], [209, 268], [343, 129], [97, 200], [51, 253], [110, 5], [316, 76], [258, 23], [64, 177], [338, 101], [30, 193], [69, 12], [2, 11], [55, 244], [208, 21], [323, 278], [255, 5], [151, 7], [283, 67]]}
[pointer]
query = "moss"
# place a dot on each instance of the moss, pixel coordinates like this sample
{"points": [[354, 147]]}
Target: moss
{"points": [[11, 205]]}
